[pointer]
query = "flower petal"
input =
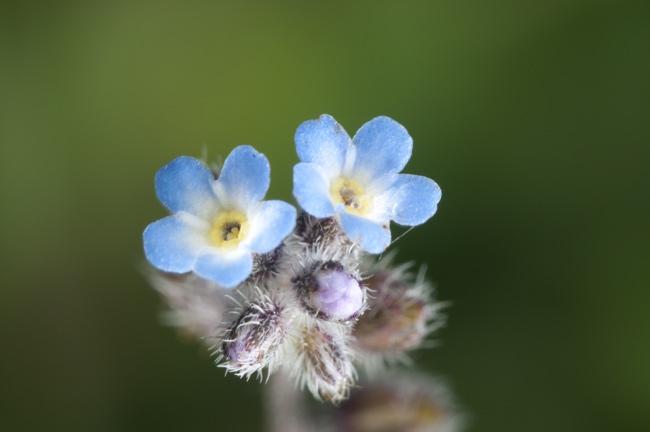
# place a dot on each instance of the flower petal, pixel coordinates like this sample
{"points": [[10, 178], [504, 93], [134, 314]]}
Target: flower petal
{"points": [[273, 221], [244, 178], [172, 244], [226, 269], [383, 147], [185, 184], [324, 142], [414, 199], [311, 189], [373, 237]]}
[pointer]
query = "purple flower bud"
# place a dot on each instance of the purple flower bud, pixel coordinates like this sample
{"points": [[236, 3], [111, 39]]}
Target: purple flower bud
{"points": [[251, 342], [243, 348], [335, 294]]}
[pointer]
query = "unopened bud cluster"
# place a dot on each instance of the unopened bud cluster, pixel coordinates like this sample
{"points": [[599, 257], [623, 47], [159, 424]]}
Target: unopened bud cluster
{"points": [[300, 316], [311, 307]]}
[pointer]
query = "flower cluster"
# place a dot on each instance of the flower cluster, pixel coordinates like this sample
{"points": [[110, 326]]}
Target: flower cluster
{"points": [[307, 298]]}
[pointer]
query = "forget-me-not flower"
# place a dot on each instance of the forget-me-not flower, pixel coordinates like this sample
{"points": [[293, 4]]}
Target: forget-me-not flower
{"points": [[357, 180], [216, 224]]}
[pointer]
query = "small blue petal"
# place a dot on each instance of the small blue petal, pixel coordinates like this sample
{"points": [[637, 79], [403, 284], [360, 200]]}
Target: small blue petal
{"points": [[226, 269], [371, 236], [171, 244], [414, 198], [272, 223], [383, 147], [311, 189], [185, 184], [324, 142], [245, 176]]}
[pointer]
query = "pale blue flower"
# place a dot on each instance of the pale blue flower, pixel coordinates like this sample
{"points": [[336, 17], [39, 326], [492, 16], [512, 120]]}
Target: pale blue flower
{"points": [[357, 180], [216, 224]]}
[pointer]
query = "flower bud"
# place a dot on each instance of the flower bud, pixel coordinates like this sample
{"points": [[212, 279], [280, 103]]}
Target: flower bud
{"points": [[336, 294], [251, 342], [331, 293], [195, 307], [266, 266], [324, 363], [314, 232], [398, 317]]}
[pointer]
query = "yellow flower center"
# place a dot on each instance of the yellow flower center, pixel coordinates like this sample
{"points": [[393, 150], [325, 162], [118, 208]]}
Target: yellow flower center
{"points": [[351, 194], [228, 229]]}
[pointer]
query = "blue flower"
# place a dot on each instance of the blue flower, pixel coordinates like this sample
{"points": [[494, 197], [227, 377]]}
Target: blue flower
{"points": [[216, 225], [357, 180]]}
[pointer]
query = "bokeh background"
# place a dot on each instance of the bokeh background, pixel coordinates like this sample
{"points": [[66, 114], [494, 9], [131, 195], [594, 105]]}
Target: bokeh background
{"points": [[532, 115]]}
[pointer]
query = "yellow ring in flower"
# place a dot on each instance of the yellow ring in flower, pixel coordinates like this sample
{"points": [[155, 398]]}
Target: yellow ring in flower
{"points": [[228, 229], [351, 194]]}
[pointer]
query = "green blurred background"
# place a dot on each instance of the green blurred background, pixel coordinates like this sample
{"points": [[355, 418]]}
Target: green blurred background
{"points": [[533, 116]]}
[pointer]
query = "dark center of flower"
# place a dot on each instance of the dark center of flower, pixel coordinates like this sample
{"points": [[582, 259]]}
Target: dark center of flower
{"points": [[230, 230], [349, 197]]}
